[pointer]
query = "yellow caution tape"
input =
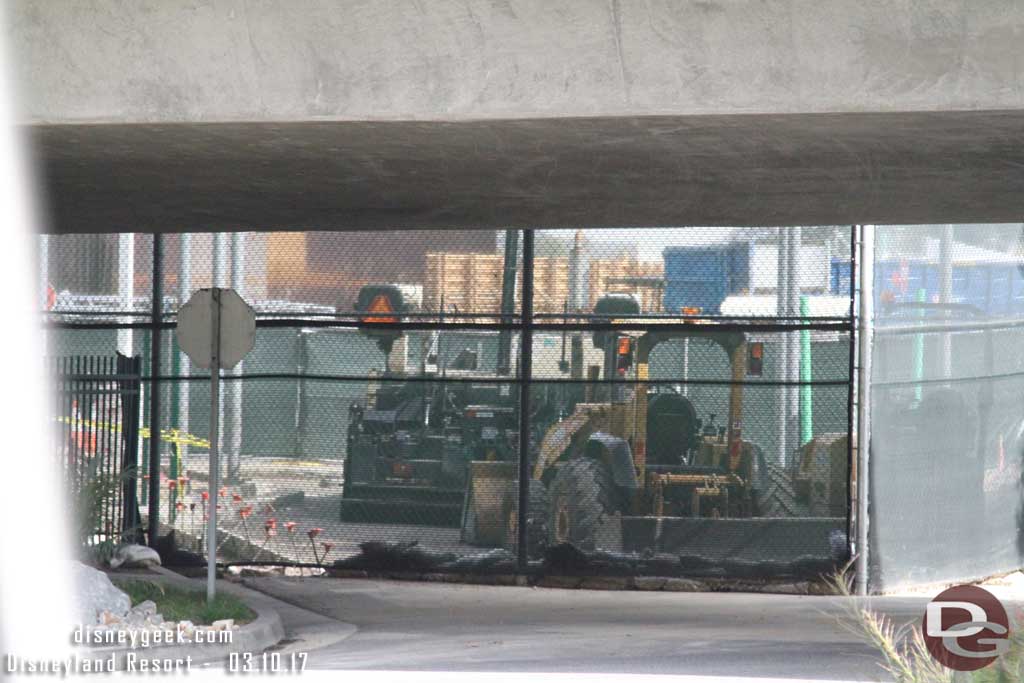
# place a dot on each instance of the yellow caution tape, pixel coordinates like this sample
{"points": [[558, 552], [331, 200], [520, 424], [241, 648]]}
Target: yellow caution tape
{"points": [[174, 435]]}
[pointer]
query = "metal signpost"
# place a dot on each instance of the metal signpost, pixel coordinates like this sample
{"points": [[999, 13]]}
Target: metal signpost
{"points": [[216, 329]]}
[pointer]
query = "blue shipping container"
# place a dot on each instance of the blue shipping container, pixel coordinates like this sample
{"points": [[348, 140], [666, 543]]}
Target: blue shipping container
{"points": [[994, 288], [702, 277]]}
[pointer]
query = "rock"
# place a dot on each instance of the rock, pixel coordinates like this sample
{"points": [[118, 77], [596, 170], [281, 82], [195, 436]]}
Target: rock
{"points": [[94, 593], [132, 556], [107, 618], [649, 583], [223, 625], [145, 608], [683, 586], [134, 618]]}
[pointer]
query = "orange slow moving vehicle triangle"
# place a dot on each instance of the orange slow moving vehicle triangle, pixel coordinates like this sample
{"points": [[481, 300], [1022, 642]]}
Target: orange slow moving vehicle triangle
{"points": [[380, 304]]}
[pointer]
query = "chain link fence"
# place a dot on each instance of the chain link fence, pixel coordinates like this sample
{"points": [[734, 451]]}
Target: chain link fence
{"points": [[684, 410], [947, 425]]}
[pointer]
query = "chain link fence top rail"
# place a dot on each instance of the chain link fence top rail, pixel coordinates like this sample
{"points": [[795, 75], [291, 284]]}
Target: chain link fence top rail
{"points": [[688, 402]]}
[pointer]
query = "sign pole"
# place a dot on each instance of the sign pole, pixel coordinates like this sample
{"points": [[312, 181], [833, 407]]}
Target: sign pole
{"points": [[216, 328], [214, 475]]}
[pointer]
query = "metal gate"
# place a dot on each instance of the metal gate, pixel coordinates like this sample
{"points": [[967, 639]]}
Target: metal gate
{"points": [[97, 416]]}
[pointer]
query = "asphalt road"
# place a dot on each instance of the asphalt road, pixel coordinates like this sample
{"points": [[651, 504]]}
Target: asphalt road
{"points": [[452, 627]]}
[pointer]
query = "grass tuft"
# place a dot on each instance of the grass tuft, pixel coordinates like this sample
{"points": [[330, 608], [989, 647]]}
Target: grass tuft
{"points": [[177, 604]]}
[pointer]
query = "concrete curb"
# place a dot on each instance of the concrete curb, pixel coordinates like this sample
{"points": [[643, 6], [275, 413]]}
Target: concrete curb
{"points": [[265, 631], [306, 630]]}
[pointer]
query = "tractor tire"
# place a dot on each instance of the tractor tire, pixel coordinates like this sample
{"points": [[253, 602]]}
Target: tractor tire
{"points": [[582, 496], [536, 520]]}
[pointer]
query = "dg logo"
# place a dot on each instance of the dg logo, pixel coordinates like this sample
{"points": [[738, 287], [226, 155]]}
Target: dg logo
{"points": [[966, 628]]}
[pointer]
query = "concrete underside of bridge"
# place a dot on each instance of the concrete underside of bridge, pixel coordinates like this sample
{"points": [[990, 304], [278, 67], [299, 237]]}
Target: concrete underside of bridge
{"points": [[820, 169], [167, 115]]}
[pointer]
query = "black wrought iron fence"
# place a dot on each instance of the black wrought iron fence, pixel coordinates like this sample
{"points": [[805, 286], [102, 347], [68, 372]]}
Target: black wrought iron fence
{"points": [[97, 436]]}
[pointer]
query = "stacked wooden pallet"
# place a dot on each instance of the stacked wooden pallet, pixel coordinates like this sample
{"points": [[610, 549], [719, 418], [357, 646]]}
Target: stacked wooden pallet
{"points": [[467, 283], [550, 284], [627, 274], [471, 283]]}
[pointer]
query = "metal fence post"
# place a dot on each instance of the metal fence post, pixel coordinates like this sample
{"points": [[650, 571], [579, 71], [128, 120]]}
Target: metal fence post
{"points": [[234, 389], [130, 369], [867, 260], [156, 318], [783, 272], [525, 375], [851, 397]]}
